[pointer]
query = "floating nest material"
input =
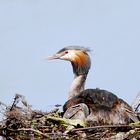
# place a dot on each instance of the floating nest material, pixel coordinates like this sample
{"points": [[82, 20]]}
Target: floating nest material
{"points": [[20, 122]]}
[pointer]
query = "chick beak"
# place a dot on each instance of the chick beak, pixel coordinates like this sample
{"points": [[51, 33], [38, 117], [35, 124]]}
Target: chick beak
{"points": [[55, 56]]}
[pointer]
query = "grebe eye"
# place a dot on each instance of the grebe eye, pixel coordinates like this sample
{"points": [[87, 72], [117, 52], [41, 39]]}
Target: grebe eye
{"points": [[66, 52]]}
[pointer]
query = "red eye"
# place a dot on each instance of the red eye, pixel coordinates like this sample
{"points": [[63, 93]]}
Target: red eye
{"points": [[66, 52]]}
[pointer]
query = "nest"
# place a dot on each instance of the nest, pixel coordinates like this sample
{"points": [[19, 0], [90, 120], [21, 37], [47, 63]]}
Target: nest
{"points": [[21, 122]]}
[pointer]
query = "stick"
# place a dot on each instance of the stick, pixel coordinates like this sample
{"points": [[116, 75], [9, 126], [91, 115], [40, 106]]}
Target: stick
{"points": [[136, 109], [135, 104], [31, 129], [106, 126]]}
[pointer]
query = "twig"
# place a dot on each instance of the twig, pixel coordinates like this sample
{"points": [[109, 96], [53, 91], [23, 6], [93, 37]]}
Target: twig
{"points": [[135, 105], [92, 135], [136, 109], [14, 102], [18, 98], [104, 133], [32, 130], [106, 126]]}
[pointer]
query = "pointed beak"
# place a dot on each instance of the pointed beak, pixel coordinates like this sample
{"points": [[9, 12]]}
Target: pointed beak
{"points": [[55, 56]]}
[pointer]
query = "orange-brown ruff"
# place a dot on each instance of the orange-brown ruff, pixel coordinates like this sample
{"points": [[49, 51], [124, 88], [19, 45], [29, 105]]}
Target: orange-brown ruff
{"points": [[81, 58], [81, 61], [96, 105]]}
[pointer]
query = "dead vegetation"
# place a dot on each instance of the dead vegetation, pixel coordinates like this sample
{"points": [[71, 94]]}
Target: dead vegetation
{"points": [[20, 122]]}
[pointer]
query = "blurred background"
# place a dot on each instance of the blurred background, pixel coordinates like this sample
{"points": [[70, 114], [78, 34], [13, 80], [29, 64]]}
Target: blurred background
{"points": [[32, 30]]}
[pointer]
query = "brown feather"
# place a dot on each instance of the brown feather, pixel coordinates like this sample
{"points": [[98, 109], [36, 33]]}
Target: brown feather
{"points": [[105, 107]]}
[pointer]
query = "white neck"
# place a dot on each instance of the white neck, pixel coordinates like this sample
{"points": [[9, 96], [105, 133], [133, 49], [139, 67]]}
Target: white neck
{"points": [[77, 85]]}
